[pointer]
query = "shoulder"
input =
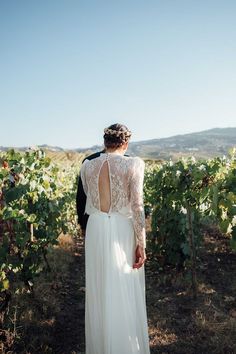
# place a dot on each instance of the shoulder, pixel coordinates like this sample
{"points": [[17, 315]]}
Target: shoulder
{"points": [[92, 156], [89, 158], [137, 164], [83, 166], [137, 161]]}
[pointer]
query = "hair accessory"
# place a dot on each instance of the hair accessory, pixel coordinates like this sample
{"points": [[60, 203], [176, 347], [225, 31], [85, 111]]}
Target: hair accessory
{"points": [[117, 132]]}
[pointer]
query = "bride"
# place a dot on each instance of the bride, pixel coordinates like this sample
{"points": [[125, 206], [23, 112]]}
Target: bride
{"points": [[115, 242]]}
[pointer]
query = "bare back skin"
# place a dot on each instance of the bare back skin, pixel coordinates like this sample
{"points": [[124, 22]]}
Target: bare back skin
{"points": [[104, 188]]}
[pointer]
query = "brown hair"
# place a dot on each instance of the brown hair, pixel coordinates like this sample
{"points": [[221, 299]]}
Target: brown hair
{"points": [[116, 135]]}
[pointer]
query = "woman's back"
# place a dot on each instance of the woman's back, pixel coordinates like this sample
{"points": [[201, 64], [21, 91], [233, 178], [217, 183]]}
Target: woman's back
{"points": [[104, 188], [114, 182]]}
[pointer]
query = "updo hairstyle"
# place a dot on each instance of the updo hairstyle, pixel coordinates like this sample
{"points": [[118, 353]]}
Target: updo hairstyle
{"points": [[116, 135]]}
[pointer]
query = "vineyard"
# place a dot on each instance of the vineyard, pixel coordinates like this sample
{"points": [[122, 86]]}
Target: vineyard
{"points": [[37, 207]]}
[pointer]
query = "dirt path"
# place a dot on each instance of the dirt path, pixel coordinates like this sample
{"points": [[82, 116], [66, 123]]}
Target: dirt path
{"points": [[51, 320], [69, 323]]}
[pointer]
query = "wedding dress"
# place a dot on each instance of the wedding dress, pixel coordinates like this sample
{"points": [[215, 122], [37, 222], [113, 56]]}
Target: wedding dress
{"points": [[115, 304]]}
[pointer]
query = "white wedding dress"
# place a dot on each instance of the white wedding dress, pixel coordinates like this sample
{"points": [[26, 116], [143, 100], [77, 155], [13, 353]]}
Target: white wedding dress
{"points": [[115, 304]]}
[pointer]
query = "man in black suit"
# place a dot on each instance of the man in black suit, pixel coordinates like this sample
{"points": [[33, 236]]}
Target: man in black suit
{"points": [[81, 196]]}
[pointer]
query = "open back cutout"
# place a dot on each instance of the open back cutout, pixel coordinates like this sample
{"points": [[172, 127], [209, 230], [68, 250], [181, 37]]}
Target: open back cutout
{"points": [[104, 188]]}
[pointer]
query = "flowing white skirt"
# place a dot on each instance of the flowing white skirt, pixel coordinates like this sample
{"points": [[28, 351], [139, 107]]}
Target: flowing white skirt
{"points": [[115, 304]]}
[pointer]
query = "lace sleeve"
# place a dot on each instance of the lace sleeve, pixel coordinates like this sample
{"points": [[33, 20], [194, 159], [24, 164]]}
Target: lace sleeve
{"points": [[82, 176], [136, 198]]}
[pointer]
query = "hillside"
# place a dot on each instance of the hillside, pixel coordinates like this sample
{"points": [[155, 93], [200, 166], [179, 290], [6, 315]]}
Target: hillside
{"points": [[204, 144]]}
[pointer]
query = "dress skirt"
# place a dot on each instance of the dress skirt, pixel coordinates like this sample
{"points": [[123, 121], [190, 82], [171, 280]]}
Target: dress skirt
{"points": [[115, 304]]}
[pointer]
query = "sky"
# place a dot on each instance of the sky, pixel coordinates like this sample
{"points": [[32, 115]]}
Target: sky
{"points": [[70, 68]]}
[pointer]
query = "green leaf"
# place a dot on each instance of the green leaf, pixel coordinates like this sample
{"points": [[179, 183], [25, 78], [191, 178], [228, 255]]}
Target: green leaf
{"points": [[186, 249], [5, 284], [15, 193], [224, 225], [203, 196]]}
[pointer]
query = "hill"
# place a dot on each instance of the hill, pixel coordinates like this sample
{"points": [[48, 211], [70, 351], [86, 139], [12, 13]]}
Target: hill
{"points": [[204, 144]]}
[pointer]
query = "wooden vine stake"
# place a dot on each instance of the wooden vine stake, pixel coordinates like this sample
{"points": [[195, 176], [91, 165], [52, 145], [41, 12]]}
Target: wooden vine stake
{"points": [[192, 251], [31, 232]]}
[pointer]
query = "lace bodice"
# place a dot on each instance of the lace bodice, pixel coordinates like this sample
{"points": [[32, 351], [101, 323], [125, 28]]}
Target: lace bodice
{"points": [[126, 175]]}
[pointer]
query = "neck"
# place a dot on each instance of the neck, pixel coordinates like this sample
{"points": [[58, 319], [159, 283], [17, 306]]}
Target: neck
{"points": [[116, 151]]}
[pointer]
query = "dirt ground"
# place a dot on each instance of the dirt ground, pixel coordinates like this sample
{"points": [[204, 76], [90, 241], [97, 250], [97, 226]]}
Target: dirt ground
{"points": [[179, 324], [52, 319]]}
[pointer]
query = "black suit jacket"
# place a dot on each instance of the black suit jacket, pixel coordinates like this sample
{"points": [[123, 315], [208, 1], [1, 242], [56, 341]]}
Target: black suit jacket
{"points": [[81, 196]]}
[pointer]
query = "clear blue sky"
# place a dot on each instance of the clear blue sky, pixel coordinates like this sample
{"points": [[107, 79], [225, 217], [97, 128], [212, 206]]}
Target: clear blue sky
{"points": [[69, 68]]}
